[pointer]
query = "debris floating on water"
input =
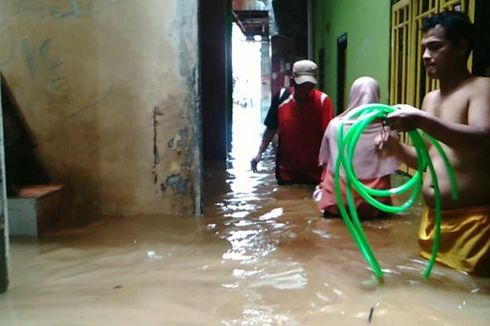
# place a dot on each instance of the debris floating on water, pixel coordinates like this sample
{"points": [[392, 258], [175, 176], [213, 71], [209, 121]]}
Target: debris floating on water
{"points": [[370, 314]]}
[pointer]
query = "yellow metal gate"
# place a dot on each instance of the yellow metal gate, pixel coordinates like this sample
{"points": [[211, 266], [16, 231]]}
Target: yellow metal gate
{"points": [[408, 83]]}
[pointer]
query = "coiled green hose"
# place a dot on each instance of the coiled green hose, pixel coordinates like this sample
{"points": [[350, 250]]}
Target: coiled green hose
{"points": [[360, 119]]}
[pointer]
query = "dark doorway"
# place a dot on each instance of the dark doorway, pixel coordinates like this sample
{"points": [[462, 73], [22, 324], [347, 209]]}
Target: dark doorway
{"points": [[215, 61], [216, 19], [215, 31], [22, 165], [481, 59], [341, 60]]}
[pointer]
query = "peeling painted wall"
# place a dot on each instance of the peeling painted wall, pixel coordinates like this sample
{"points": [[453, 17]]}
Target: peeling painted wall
{"points": [[109, 89]]}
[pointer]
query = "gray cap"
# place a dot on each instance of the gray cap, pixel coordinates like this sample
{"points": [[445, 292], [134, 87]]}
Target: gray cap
{"points": [[305, 71]]}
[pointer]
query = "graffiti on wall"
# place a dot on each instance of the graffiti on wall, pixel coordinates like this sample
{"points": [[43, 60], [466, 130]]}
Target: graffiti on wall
{"points": [[42, 66], [63, 8]]}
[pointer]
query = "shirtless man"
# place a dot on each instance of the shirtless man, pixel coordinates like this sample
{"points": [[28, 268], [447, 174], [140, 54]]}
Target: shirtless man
{"points": [[457, 115]]}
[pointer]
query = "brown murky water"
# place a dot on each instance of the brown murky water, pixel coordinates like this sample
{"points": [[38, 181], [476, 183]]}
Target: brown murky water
{"points": [[260, 256]]}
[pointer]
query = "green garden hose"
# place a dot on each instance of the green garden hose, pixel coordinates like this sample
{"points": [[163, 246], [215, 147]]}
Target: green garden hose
{"points": [[360, 119]]}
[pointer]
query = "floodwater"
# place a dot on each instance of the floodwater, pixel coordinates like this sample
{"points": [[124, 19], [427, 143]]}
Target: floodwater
{"points": [[261, 255]]}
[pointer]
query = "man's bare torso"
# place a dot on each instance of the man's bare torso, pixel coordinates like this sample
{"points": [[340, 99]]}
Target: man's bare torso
{"points": [[471, 163]]}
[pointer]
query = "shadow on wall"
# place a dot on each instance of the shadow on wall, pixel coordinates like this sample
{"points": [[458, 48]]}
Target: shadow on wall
{"points": [[22, 165]]}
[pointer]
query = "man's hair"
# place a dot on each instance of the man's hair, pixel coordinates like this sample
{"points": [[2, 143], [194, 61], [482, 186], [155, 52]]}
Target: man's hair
{"points": [[456, 24]]}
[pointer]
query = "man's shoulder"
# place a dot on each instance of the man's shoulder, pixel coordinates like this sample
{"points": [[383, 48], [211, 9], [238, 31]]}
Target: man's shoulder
{"points": [[320, 92], [481, 82], [475, 87], [431, 100], [286, 99], [432, 95], [321, 96]]}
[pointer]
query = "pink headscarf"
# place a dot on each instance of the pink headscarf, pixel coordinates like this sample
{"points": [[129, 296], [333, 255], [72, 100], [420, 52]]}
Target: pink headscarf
{"points": [[364, 90], [367, 162]]}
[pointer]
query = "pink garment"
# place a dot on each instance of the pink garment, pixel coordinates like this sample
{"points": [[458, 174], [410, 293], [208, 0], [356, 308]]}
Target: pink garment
{"points": [[367, 162], [371, 169], [326, 200], [364, 90]]}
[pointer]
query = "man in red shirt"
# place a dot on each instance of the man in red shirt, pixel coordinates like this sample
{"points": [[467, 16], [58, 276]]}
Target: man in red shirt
{"points": [[299, 120]]}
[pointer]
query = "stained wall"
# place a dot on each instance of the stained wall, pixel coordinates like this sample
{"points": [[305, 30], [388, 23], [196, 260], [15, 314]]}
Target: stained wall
{"points": [[109, 89]]}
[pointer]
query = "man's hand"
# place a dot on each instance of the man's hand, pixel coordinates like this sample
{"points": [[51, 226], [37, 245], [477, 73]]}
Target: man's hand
{"points": [[255, 161], [406, 118]]}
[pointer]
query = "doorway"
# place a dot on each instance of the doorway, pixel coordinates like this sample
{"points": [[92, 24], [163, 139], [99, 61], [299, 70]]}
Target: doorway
{"points": [[341, 60], [275, 45], [247, 95]]}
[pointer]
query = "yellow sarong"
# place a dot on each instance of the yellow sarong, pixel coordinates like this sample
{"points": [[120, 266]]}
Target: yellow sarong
{"points": [[465, 238]]}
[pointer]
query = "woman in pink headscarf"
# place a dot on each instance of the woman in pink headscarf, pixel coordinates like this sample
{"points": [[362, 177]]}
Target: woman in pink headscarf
{"points": [[371, 169]]}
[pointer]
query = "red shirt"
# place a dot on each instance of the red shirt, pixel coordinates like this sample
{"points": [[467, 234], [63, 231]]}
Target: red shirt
{"points": [[300, 130]]}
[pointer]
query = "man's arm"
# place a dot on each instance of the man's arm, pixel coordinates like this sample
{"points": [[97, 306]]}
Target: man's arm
{"points": [[455, 135], [404, 119], [272, 124], [388, 144], [267, 137]]}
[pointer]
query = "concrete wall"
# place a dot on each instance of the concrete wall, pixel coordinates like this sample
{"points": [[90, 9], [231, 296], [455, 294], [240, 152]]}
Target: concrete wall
{"points": [[110, 91], [367, 24]]}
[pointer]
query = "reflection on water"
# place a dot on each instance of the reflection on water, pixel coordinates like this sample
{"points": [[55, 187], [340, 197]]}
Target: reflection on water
{"points": [[261, 255]]}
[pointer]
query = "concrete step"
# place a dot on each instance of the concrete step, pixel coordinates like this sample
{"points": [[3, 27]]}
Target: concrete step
{"points": [[35, 209]]}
